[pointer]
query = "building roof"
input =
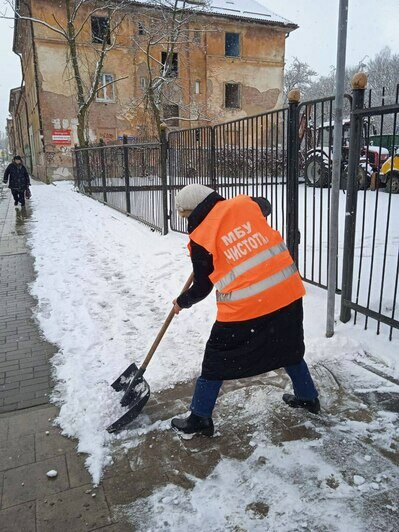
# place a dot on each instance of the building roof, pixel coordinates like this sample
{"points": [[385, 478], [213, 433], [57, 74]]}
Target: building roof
{"points": [[249, 9], [240, 9]]}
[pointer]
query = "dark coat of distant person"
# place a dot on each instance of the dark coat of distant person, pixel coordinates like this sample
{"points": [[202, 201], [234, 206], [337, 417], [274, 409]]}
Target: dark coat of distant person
{"points": [[17, 177]]}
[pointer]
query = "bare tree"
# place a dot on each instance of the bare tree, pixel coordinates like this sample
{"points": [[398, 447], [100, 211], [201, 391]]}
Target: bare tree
{"points": [[298, 76], [383, 72], [165, 26], [78, 14]]}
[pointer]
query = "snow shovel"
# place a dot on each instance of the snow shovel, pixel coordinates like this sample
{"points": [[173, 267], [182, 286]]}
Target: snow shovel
{"points": [[136, 388]]}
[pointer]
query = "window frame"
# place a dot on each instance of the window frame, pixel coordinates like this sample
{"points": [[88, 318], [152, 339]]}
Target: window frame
{"points": [[239, 94], [197, 85], [96, 39], [239, 43], [112, 86], [174, 73]]}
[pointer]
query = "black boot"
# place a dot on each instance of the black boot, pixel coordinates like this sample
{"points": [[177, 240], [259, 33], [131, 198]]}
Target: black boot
{"points": [[194, 424], [294, 402]]}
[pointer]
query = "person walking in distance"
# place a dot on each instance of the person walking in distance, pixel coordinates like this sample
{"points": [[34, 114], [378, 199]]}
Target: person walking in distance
{"points": [[259, 324], [18, 180]]}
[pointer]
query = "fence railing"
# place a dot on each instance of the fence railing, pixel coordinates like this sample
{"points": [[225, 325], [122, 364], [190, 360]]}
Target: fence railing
{"points": [[245, 156], [371, 243], [286, 156], [129, 177]]}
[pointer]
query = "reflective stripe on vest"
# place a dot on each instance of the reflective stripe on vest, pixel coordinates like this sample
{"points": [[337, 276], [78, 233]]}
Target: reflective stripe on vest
{"points": [[250, 263], [259, 287]]}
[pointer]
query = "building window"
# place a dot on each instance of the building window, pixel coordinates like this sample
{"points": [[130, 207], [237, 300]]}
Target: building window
{"points": [[232, 45], [141, 29], [100, 30], [197, 89], [197, 36], [171, 114], [174, 67], [106, 94], [232, 96]]}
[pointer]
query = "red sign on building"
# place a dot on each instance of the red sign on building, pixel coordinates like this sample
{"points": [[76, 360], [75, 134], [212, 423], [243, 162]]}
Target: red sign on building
{"points": [[61, 136]]}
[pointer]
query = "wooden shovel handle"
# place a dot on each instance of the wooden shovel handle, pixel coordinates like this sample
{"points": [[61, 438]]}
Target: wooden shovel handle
{"points": [[164, 328]]}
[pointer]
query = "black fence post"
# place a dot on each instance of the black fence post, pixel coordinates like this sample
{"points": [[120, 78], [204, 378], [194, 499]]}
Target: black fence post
{"points": [[293, 236], [164, 179], [126, 170], [102, 162], [86, 163], [213, 159], [359, 83]]}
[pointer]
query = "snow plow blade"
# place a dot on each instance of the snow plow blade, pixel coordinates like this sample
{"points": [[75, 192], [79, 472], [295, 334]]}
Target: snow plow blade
{"points": [[134, 410]]}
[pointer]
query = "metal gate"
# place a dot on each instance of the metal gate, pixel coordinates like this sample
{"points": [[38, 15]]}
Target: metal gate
{"points": [[315, 142], [245, 156], [371, 249]]}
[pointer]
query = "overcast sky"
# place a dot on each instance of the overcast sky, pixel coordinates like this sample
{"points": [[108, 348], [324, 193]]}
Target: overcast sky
{"points": [[372, 25]]}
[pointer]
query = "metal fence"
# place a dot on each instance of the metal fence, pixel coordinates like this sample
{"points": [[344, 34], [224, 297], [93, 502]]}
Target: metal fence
{"points": [[246, 156], [130, 178], [315, 155], [285, 156]]}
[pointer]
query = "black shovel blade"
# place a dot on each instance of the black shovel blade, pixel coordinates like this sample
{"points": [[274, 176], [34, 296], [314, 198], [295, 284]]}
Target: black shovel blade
{"points": [[122, 382], [134, 410]]}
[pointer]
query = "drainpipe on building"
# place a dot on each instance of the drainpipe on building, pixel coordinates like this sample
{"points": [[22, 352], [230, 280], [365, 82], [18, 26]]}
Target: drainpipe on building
{"points": [[35, 63]]}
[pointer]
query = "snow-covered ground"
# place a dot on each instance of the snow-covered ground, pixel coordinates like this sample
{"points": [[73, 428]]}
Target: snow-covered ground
{"points": [[104, 285]]}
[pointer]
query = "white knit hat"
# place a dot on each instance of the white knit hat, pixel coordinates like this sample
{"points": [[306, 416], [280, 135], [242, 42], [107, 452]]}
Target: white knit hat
{"points": [[190, 196]]}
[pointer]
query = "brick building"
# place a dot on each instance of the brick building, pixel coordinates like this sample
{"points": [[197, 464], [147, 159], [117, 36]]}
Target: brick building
{"points": [[231, 68]]}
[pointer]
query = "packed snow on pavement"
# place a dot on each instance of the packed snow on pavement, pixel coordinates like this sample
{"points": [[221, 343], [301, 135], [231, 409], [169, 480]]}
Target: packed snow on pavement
{"points": [[104, 285]]}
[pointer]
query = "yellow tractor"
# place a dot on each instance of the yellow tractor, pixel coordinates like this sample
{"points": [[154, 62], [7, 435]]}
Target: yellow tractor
{"points": [[389, 174]]}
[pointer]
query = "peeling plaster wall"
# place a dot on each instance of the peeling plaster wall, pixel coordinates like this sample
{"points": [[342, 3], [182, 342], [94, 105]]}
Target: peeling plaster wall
{"points": [[259, 69]]}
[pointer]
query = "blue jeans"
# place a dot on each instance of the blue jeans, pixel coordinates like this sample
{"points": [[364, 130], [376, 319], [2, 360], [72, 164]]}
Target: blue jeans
{"points": [[206, 392]]}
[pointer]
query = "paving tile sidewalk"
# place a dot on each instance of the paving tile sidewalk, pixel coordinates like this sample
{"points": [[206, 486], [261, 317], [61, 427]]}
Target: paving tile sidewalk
{"points": [[24, 370]]}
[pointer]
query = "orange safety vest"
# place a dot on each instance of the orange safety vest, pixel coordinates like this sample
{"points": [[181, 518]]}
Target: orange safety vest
{"points": [[254, 273]]}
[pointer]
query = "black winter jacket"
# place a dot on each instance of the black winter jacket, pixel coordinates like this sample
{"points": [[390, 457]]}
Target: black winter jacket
{"points": [[17, 177], [245, 348]]}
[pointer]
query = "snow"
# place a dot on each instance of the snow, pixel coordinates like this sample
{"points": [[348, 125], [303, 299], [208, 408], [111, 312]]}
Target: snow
{"points": [[256, 503], [243, 9], [104, 285]]}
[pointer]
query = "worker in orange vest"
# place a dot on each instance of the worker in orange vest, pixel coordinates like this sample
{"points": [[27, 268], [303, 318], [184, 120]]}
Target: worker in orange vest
{"points": [[259, 324]]}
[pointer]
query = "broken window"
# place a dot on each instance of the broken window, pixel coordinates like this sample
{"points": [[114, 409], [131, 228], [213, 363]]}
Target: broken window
{"points": [[106, 93], [173, 64], [171, 114], [232, 96], [141, 29], [100, 30], [232, 45]]}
